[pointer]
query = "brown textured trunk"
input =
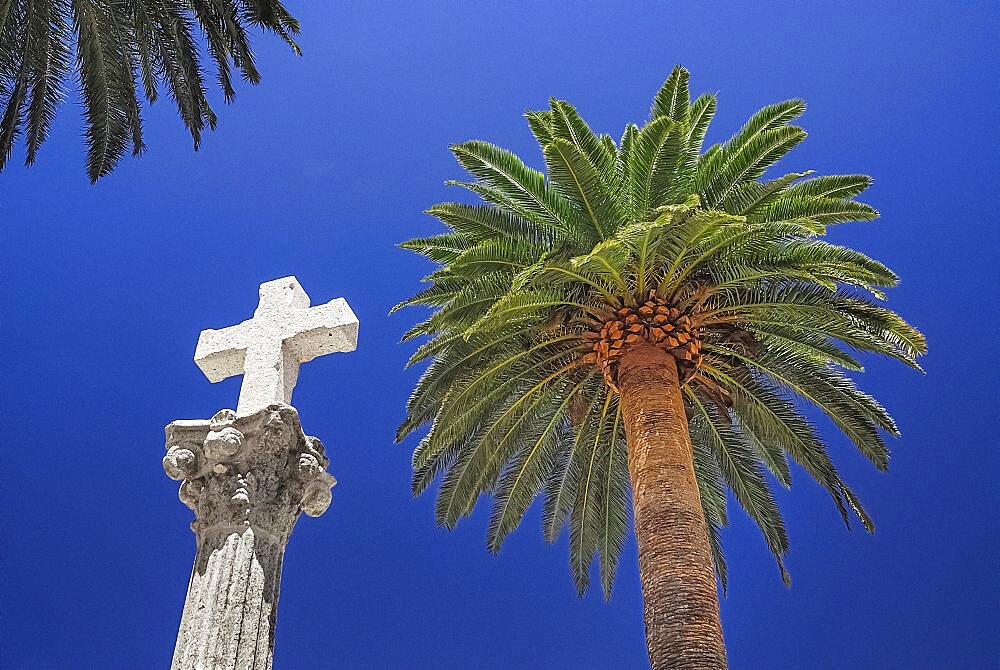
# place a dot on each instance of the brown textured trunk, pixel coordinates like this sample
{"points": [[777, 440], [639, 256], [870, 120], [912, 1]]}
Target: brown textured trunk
{"points": [[675, 560]]}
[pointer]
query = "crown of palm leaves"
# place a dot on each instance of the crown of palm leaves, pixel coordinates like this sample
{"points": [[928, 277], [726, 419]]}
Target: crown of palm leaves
{"points": [[547, 281]]}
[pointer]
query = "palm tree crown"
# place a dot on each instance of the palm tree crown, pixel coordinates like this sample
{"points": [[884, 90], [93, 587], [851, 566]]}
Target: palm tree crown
{"points": [[117, 44], [544, 285]]}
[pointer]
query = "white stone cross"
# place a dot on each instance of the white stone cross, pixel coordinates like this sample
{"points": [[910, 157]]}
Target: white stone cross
{"points": [[267, 349]]}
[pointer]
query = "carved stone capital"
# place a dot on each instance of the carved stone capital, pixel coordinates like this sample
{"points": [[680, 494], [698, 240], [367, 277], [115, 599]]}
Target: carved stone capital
{"points": [[255, 471]]}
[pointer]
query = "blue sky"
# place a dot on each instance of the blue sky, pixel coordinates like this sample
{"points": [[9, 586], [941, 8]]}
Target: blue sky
{"points": [[319, 172]]}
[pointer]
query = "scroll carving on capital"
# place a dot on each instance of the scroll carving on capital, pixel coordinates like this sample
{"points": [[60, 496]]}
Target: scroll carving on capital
{"points": [[255, 471]]}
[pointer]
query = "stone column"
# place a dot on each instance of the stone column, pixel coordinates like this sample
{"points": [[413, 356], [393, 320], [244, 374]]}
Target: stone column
{"points": [[246, 479]]}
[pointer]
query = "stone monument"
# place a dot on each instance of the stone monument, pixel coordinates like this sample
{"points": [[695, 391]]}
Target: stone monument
{"points": [[248, 473]]}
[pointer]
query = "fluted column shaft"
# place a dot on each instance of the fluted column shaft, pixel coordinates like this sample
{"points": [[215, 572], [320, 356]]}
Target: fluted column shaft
{"points": [[231, 605], [246, 479]]}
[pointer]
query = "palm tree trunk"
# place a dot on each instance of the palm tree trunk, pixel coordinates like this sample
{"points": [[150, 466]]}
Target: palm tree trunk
{"points": [[675, 561]]}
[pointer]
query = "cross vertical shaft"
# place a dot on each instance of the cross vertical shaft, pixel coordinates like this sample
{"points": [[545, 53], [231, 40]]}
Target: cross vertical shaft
{"points": [[269, 375]]}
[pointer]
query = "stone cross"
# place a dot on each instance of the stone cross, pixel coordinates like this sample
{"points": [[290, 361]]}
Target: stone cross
{"points": [[248, 475], [267, 349]]}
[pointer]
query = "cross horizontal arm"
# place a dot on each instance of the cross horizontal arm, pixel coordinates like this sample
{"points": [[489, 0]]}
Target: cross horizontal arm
{"points": [[268, 349], [222, 353], [324, 329]]}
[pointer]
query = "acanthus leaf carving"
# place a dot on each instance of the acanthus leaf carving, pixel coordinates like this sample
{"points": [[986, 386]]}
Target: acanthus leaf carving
{"points": [[256, 471]]}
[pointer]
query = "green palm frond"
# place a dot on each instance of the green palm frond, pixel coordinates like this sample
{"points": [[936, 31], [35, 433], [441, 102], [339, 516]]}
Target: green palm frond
{"points": [[742, 473], [118, 47], [442, 249], [764, 139], [34, 63], [515, 183], [702, 111], [514, 399], [585, 514], [483, 222], [540, 124], [821, 209], [673, 100], [613, 514], [595, 202], [639, 152], [712, 490], [568, 125], [50, 61], [833, 186], [526, 472]]}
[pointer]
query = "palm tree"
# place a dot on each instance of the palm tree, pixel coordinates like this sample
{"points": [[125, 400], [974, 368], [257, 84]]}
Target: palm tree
{"points": [[115, 46], [640, 323]]}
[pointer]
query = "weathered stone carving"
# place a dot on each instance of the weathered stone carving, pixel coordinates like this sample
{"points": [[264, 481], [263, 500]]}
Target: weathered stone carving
{"points": [[268, 349], [247, 474], [246, 479]]}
